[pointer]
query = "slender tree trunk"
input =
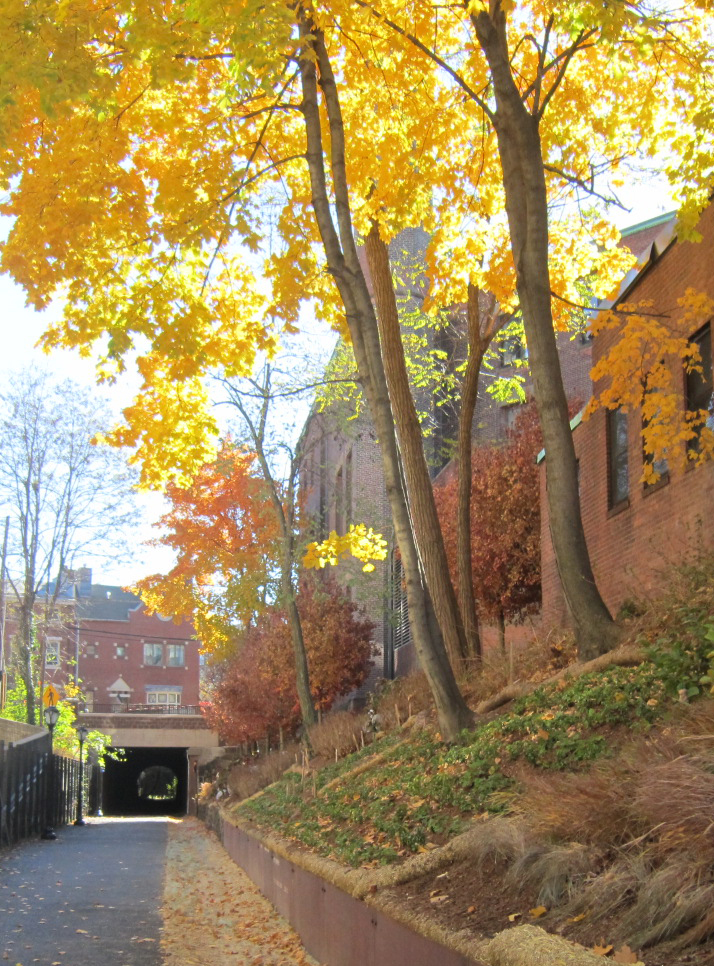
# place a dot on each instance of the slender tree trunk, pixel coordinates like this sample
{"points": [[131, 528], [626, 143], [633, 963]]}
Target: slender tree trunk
{"points": [[286, 528], [469, 397], [342, 260], [527, 209], [26, 668], [501, 624], [425, 519]]}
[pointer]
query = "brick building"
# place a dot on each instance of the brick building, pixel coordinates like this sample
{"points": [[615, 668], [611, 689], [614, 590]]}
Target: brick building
{"points": [[635, 531], [122, 656]]}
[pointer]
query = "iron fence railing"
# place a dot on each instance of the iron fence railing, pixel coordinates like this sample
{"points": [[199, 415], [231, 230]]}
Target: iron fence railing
{"points": [[38, 790], [122, 708]]}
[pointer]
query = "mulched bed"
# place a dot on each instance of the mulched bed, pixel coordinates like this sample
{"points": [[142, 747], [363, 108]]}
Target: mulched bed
{"points": [[477, 899]]}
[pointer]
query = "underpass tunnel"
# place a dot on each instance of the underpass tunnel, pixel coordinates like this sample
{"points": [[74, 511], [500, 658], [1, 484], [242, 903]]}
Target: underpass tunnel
{"points": [[146, 781]]}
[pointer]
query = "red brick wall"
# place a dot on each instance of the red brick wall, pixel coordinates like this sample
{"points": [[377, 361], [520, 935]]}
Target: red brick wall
{"points": [[100, 666], [632, 547]]}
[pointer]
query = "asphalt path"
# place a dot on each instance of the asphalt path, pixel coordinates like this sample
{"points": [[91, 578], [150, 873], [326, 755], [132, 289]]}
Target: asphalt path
{"points": [[92, 897]]}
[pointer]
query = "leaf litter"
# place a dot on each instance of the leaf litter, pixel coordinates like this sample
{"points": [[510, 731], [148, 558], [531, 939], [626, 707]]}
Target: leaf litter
{"points": [[212, 912]]}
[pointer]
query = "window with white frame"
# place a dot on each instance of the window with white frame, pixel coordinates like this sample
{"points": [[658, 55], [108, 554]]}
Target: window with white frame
{"points": [[153, 655], [175, 655], [52, 652], [163, 696]]}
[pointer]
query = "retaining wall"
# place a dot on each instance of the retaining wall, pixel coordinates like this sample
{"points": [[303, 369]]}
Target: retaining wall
{"points": [[335, 927]]}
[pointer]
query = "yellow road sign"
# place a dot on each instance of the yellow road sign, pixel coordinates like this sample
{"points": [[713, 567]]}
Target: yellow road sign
{"points": [[50, 696]]}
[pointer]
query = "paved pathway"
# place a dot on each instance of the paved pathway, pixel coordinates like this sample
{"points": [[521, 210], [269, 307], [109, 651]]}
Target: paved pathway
{"points": [[136, 892], [90, 898]]}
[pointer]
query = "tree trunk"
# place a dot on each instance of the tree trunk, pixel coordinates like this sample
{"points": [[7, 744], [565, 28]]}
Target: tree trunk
{"points": [[427, 530], [527, 209], [26, 668], [469, 397], [342, 260], [501, 624], [286, 528]]}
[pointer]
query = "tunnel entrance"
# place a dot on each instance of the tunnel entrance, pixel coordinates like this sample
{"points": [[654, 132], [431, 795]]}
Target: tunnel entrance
{"points": [[148, 781]]}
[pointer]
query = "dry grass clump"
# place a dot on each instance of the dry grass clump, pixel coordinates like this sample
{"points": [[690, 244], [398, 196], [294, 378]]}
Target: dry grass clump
{"points": [[592, 807], [245, 779], [402, 698], [632, 837], [538, 660], [672, 899], [558, 870], [611, 891], [498, 840], [337, 734], [676, 799]]}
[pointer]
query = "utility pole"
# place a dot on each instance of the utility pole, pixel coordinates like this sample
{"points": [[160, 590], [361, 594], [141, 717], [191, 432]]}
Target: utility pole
{"points": [[3, 614]]}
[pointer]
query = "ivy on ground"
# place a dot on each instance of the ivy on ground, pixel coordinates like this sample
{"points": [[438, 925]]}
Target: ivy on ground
{"points": [[419, 792]]}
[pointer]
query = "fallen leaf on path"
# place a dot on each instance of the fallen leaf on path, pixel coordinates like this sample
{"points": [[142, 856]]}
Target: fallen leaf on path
{"points": [[513, 916], [603, 950], [538, 912], [625, 955]]}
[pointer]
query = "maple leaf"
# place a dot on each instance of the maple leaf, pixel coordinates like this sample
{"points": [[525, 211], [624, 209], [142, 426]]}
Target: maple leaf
{"points": [[602, 950], [625, 955]]}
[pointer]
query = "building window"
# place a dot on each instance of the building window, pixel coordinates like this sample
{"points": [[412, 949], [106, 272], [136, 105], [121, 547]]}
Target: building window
{"points": [[700, 385], [175, 655], [120, 650], [167, 696], [153, 655], [512, 350], [659, 467], [509, 414], [617, 460], [52, 652], [90, 650]]}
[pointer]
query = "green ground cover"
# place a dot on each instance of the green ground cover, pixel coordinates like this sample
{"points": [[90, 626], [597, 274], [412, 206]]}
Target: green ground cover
{"points": [[418, 792]]}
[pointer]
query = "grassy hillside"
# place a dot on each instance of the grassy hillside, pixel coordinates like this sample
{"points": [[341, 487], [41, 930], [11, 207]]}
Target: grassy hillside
{"points": [[595, 795]]}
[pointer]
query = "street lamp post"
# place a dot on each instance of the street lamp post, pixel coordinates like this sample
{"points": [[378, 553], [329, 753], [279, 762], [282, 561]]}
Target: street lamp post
{"points": [[82, 732], [51, 715]]}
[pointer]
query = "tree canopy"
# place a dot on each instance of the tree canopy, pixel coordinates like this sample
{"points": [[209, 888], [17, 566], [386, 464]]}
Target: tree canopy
{"points": [[505, 522], [255, 693], [224, 533], [162, 148]]}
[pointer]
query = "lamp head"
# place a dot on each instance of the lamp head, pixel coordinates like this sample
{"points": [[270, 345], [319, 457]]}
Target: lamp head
{"points": [[51, 715], [82, 732]]}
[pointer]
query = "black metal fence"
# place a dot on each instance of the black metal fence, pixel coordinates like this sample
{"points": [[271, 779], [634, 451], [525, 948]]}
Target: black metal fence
{"points": [[122, 708], [38, 790]]}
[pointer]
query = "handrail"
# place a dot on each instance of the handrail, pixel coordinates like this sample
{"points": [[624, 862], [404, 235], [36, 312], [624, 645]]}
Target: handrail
{"points": [[169, 709]]}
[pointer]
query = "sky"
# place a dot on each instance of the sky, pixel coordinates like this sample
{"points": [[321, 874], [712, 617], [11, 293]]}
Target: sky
{"points": [[21, 327]]}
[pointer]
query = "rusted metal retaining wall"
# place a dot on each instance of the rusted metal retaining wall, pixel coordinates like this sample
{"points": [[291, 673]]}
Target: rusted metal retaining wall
{"points": [[335, 928]]}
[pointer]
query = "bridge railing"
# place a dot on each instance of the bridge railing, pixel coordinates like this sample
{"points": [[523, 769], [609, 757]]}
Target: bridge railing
{"points": [[122, 708]]}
